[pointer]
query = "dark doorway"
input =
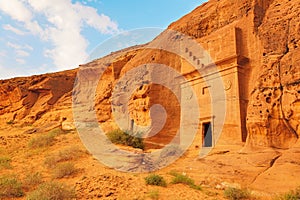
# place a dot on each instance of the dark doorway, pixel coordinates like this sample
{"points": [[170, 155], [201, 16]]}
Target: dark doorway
{"points": [[131, 125], [207, 135]]}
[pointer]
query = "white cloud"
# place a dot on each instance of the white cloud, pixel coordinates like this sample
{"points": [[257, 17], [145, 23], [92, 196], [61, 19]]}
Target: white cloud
{"points": [[36, 29], [3, 54], [20, 61], [102, 23], [18, 47], [22, 53], [64, 32], [9, 27], [13, 45], [64, 23], [16, 10], [26, 46]]}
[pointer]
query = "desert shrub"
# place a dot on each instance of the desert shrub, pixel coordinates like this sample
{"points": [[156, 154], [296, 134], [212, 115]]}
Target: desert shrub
{"points": [[5, 162], [32, 180], [117, 136], [154, 179], [42, 141], [236, 193], [153, 194], [123, 137], [136, 142], [291, 195], [184, 179], [63, 155], [52, 191], [63, 170], [10, 186]]}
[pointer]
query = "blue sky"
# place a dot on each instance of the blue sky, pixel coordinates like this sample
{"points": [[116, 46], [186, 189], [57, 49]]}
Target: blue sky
{"points": [[39, 36]]}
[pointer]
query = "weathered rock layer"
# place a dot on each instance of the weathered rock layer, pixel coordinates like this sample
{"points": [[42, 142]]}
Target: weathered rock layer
{"points": [[267, 37]]}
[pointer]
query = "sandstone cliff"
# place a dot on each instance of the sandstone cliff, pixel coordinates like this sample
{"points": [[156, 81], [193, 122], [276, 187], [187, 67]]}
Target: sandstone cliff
{"points": [[267, 38], [270, 39], [25, 101]]}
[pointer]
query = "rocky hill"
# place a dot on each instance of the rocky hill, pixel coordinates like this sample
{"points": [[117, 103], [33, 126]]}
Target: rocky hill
{"points": [[269, 33], [255, 46]]}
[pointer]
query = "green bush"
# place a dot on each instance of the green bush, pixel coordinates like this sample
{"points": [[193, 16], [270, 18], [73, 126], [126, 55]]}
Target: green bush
{"points": [[120, 137], [10, 186], [154, 179], [183, 179], [63, 170], [236, 194], [42, 141], [5, 162], [292, 195], [52, 191]]}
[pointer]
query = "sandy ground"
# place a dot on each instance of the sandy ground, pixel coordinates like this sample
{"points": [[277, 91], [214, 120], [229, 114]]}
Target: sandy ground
{"points": [[266, 172]]}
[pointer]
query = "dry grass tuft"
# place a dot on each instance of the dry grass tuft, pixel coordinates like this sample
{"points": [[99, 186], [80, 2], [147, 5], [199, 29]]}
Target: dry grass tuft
{"points": [[10, 187], [64, 170], [5, 162], [68, 154], [42, 141], [31, 180], [52, 190], [236, 193]]}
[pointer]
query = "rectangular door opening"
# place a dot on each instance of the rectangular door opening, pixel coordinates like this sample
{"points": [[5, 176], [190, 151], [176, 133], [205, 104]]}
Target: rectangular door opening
{"points": [[207, 135]]}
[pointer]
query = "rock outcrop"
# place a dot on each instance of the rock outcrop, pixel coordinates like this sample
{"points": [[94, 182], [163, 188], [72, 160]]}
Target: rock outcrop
{"points": [[25, 101], [267, 34], [270, 39], [273, 112]]}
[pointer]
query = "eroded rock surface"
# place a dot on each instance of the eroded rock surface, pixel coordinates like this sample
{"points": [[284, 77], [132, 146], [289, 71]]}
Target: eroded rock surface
{"points": [[273, 112], [27, 100], [266, 45]]}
